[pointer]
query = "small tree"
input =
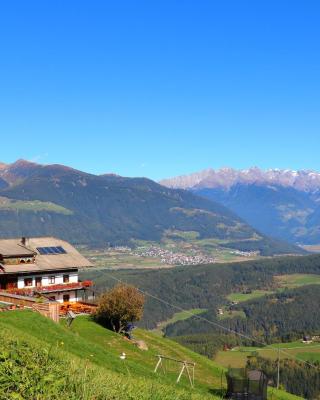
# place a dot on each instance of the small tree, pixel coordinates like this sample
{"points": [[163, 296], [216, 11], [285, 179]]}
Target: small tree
{"points": [[119, 306]]}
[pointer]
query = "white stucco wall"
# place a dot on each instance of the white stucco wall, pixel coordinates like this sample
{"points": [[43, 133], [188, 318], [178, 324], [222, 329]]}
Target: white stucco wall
{"points": [[73, 278], [75, 295]]}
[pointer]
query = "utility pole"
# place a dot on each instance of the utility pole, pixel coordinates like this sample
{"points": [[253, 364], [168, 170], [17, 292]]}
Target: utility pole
{"points": [[278, 372]]}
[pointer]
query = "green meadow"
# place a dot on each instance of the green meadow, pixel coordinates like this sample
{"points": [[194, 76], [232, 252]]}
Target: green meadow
{"points": [[41, 360]]}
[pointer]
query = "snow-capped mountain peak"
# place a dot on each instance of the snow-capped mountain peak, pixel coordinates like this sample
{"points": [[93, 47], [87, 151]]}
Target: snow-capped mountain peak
{"points": [[304, 180]]}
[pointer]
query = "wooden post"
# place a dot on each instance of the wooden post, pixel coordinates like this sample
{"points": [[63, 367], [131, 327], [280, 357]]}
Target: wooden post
{"points": [[278, 369], [181, 372], [158, 364]]}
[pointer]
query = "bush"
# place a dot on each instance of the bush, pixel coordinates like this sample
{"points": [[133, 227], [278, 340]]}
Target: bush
{"points": [[119, 306]]}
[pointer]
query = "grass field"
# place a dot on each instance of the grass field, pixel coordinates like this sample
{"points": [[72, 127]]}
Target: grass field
{"points": [[241, 297], [237, 358], [231, 314], [179, 316], [289, 281], [34, 205], [90, 354], [297, 280]]}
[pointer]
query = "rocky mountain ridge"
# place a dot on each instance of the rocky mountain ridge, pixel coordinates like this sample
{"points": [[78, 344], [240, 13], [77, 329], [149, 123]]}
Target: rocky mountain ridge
{"points": [[304, 180]]}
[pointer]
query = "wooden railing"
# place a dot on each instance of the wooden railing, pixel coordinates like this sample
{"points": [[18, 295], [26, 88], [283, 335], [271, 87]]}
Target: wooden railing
{"points": [[49, 309]]}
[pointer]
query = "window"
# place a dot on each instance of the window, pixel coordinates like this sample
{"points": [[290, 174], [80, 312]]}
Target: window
{"points": [[28, 282], [25, 260], [51, 250], [52, 280], [65, 278], [38, 281]]}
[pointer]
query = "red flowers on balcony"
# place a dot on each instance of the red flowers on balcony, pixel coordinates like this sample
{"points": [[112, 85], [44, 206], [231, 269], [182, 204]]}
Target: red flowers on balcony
{"points": [[29, 291], [64, 286]]}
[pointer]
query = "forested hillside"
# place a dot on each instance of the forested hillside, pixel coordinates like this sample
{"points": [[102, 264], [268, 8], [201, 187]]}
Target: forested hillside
{"points": [[282, 212], [55, 200], [284, 316], [296, 377], [280, 314], [203, 286]]}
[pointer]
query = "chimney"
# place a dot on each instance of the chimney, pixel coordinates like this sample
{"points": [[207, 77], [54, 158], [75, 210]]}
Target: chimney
{"points": [[24, 241]]}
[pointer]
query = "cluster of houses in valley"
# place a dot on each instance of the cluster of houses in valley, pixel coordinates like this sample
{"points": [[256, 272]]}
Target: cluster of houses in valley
{"points": [[45, 268], [245, 253], [171, 258]]}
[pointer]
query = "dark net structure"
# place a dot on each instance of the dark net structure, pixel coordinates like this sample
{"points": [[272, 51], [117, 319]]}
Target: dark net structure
{"points": [[244, 384]]}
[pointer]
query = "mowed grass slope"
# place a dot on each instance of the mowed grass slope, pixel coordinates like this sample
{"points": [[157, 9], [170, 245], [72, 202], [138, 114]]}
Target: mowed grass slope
{"points": [[91, 354]]}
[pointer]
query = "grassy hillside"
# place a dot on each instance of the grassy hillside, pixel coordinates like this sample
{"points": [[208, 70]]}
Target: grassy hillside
{"points": [[40, 360], [31, 206]]}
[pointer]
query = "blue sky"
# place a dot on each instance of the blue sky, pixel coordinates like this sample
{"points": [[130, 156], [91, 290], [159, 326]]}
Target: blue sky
{"points": [[160, 88]]}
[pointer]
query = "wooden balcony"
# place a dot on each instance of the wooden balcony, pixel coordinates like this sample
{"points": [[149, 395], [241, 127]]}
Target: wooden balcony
{"points": [[62, 287]]}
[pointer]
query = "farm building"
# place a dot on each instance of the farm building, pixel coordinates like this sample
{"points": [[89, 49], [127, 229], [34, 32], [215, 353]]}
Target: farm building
{"points": [[46, 266]]}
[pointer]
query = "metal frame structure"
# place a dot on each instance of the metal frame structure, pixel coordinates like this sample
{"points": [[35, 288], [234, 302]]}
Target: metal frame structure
{"points": [[187, 366]]}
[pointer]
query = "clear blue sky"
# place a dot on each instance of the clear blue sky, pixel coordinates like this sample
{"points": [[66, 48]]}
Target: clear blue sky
{"points": [[160, 88]]}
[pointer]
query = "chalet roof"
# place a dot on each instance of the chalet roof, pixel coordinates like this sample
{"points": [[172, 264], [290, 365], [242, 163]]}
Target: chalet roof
{"points": [[71, 259], [14, 247]]}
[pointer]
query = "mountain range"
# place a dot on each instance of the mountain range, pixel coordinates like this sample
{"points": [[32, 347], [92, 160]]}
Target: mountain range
{"points": [[284, 204], [98, 209]]}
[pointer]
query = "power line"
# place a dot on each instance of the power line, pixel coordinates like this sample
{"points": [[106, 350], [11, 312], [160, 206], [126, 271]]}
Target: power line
{"points": [[215, 323]]}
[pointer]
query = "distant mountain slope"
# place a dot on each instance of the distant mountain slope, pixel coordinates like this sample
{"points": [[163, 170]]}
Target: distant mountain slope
{"points": [[3, 184], [280, 203], [109, 208], [16, 172]]}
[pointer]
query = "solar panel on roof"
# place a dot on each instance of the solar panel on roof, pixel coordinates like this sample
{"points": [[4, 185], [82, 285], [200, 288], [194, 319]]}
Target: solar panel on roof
{"points": [[51, 250], [61, 250], [42, 250]]}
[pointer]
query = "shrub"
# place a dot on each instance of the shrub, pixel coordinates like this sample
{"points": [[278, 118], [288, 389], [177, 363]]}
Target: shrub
{"points": [[119, 306]]}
